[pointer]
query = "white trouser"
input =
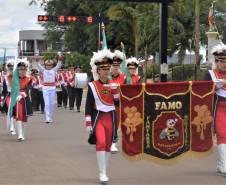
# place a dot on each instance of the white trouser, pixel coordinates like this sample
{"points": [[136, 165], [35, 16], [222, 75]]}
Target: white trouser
{"points": [[221, 158], [49, 99]]}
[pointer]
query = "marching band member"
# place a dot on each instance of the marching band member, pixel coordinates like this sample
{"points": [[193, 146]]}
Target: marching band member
{"points": [[7, 82], [132, 66], [71, 86], [100, 110], [1, 89], [64, 87], [23, 107], [49, 85], [59, 90], [78, 91], [36, 91], [116, 77], [218, 75]]}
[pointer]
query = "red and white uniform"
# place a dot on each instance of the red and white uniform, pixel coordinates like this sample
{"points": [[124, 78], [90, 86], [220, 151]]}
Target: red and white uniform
{"points": [[1, 89], [70, 78], [49, 89], [135, 79], [7, 82], [220, 118], [120, 79], [220, 104], [23, 107], [100, 114]]}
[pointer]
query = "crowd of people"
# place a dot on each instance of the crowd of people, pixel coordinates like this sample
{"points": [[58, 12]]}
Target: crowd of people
{"points": [[39, 88]]}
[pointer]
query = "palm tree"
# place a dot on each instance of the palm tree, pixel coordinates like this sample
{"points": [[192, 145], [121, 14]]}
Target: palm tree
{"points": [[129, 15]]}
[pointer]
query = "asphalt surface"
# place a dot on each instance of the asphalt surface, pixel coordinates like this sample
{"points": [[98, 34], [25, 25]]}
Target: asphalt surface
{"points": [[58, 154]]}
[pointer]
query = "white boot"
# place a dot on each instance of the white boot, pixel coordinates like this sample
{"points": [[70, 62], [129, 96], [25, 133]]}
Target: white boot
{"points": [[20, 130], [114, 149], [12, 128], [101, 160], [221, 161]]}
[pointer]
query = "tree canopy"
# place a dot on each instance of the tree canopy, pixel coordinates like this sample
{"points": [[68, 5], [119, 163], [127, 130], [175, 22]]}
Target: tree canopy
{"points": [[134, 24]]}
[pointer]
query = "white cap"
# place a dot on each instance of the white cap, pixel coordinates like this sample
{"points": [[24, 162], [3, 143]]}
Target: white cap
{"points": [[132, 60], [24, 61], [99, 58]]}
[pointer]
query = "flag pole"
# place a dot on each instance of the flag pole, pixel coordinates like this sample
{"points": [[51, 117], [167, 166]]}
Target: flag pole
{"points": [[99, 34]]}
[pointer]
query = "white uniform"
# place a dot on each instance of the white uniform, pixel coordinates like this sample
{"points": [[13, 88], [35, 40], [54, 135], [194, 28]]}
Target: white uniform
{"points": [[49, 89]]}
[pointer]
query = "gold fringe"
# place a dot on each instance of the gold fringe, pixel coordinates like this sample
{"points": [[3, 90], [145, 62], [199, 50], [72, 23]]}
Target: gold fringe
{"points": [[166, 162]]}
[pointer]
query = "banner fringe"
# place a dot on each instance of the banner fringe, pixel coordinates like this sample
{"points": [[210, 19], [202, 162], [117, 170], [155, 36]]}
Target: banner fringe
{"points": [[158, 161]]}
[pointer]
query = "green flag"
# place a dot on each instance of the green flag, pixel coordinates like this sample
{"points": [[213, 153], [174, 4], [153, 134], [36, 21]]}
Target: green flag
{"points": [[15, 89], [104, 41], [123, 66]]}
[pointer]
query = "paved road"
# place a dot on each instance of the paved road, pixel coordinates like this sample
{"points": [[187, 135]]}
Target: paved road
{"points": [[58, 154]]}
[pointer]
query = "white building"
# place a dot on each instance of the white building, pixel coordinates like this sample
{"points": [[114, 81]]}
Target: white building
{"points": [[31, 41]]}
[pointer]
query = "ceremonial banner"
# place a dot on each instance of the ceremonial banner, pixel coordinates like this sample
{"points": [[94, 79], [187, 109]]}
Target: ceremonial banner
{"points": [[201, 116], [164, 121], [132, 110]]}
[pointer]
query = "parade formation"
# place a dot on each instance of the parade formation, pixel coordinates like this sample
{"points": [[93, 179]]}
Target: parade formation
{"points": [[161, 122]]}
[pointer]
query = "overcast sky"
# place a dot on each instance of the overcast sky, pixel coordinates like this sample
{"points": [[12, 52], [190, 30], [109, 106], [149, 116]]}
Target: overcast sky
{"points": [[16, 15]]}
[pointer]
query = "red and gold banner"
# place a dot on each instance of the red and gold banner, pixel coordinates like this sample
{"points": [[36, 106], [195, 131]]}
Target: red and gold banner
{"points": [[132, 110], [201, 116], [164, 121]]}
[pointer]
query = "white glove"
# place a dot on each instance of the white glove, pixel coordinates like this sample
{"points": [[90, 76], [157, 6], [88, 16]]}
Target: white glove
{"points": [[89, 129], [18, 98]]}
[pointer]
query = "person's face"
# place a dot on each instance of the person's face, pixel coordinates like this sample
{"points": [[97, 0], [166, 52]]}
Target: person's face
{"points": [[104, 72], [49, 66], [78, 70], [10, 69], [132, 70], [22, 71], [221, 64], [72, 69], [115, 70]]}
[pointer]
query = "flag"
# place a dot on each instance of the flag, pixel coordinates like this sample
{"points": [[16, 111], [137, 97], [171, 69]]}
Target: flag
{"points": [[124, 67], [104, 42], [15, 89]]}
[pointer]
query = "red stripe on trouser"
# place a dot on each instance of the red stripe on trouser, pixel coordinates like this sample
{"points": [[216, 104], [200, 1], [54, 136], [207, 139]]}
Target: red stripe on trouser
{"points": [[104, 132], [221, 123]]}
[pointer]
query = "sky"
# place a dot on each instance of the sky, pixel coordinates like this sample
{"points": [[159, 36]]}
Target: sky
{"points": [[16, 15]]}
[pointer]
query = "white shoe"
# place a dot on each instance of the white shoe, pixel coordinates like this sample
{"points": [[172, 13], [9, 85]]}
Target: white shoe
{"points": [[13, 133], [114, 149], [103, 178]]}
